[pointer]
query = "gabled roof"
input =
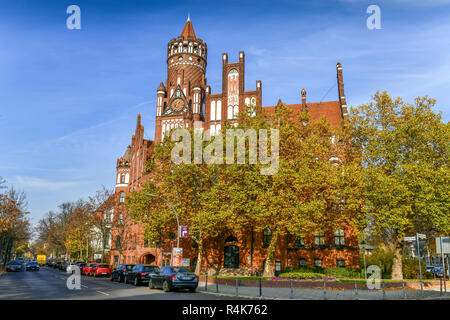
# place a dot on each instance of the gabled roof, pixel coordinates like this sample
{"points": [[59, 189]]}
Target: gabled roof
{"points": [[330, 109]]}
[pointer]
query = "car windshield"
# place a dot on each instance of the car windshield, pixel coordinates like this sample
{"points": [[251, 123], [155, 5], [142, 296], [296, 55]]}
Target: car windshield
{"points": [[179, 270], [151, 269], [129, 267], [103, 266], [13, 262], [32, 263]]}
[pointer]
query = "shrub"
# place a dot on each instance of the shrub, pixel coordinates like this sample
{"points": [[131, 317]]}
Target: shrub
{"points": [[302, 275], [411, 269], [351, 273]]}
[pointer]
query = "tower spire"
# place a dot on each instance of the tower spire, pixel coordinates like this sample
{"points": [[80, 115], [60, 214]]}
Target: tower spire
{"points": [[188, 30]]}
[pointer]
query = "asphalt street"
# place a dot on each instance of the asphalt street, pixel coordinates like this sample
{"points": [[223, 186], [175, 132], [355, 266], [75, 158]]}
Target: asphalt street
{"points": [[48, 283]]}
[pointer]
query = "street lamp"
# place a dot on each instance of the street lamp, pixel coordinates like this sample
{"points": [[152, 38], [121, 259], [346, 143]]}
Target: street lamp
{"points": [[176, 215]]}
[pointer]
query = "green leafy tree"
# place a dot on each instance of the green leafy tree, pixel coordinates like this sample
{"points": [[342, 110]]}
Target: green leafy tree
{"points": [[405, 153]]}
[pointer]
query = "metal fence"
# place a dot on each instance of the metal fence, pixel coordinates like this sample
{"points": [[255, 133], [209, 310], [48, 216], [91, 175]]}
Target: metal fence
{"points": [[312, 290]]}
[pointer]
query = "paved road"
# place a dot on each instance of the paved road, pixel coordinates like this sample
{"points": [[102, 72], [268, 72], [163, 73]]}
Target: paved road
{"points": [[49, 283]]}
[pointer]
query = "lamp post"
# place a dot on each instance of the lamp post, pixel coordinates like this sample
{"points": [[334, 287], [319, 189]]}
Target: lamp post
{"points": [[174, 211]]}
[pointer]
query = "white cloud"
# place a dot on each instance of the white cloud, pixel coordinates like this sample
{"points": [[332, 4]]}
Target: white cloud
{"points": [[25, 182]]}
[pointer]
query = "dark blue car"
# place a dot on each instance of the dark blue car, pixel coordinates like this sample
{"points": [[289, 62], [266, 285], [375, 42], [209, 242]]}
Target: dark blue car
{"points": [[170, 278]]}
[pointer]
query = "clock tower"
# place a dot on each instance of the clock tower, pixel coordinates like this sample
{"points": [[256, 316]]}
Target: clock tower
{"points": [[181, 100]]}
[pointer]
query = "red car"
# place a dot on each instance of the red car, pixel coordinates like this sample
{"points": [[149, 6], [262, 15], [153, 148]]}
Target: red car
{"points": [[102, 270], [89, 269]]}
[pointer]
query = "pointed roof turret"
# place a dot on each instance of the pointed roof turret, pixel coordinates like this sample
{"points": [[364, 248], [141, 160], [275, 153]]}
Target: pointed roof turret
{"points": [[188, 30], [161, 87]]}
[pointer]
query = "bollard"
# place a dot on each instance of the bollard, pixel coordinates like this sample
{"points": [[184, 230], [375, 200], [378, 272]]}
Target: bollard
{"points": [[292, 289], [206, 283], [237, 286], [324, 289], [260, 286], [356, 291], [404, 290], [217, 284], [384, 291], [440, 293]]}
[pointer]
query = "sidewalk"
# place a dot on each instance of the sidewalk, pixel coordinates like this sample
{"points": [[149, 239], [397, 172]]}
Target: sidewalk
{"points": [[253, 292]]}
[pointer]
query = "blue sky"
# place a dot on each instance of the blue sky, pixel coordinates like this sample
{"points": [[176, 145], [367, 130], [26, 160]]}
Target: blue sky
{"points": [[69, 98]]}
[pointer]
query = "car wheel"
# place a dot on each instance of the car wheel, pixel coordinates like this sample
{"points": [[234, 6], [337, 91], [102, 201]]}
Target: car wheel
{"points": [[166, 286], [150, 284], [136, 282]]}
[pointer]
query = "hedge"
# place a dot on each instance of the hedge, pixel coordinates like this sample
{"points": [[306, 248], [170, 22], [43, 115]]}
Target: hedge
{"points": [[302, 275]]}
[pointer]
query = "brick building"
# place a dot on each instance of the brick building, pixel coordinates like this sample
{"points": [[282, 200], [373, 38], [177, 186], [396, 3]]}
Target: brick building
{"points": [[185, 100]]}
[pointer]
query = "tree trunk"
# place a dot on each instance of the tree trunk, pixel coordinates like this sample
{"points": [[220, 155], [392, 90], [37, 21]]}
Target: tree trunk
{"points": [[397, 273], [268, 268], [198, 267]]}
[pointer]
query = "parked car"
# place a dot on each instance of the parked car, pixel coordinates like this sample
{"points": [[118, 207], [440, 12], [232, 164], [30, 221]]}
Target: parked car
{"points": [[32, 265], [89, 268], [118, 274], [437, 270], [141, 273], [81, 265], [173, 278], [14, 265], [63, 266], [101, 269]]}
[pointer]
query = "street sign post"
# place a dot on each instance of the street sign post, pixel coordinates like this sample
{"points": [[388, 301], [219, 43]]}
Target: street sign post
{"points": [[443, 246], [420, 265]]}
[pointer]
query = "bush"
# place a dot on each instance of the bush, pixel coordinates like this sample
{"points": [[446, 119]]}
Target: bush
{"points": [[411, 269], [302, 275], [350, 273], [329, 272]]}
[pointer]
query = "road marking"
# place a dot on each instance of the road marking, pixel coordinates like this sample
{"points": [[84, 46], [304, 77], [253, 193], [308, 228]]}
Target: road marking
{"points": [[106, 294], [84, 286]]}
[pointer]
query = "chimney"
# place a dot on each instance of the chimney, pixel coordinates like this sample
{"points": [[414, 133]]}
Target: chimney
{"points": [[340, 83], [303, 98]]}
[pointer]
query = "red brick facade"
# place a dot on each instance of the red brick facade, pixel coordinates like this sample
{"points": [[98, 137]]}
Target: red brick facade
{"points": [[185, 100]]}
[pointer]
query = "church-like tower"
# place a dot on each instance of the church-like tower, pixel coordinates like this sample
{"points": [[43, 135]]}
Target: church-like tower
{"points": [[180, 102]]}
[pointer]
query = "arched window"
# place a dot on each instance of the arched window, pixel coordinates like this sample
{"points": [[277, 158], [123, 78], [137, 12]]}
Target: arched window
{"points": [[122, 197], [231, 239], [231, 257], [213, 110], [118, 242], [219, 110], [230, 112], [267, 237]]}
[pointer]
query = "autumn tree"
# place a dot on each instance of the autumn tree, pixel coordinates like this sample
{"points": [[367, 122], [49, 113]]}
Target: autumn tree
{"points": [[14, 227], [316, 185], [194, 189], [405, 156]]}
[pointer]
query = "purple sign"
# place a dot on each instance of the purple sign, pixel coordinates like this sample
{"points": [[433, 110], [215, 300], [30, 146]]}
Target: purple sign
{"points": [[184, 232]]}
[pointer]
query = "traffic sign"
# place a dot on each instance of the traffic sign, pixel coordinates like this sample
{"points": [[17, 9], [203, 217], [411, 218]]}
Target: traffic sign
{"points": [[184, 231], [421, 236], [410, 238]]}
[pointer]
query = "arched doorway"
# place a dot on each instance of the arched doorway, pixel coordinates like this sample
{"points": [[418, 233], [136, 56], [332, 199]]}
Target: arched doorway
{"points": [[148, 259], [231, 257]]}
